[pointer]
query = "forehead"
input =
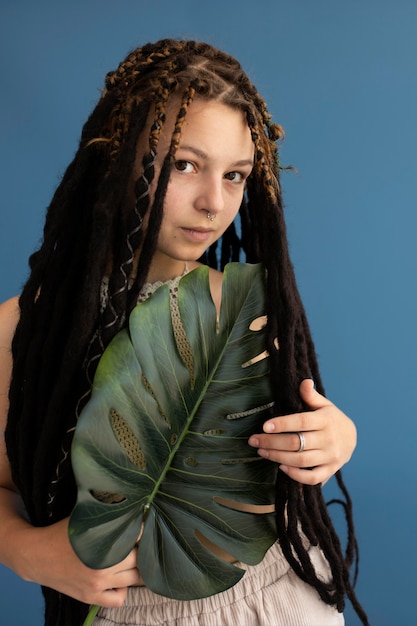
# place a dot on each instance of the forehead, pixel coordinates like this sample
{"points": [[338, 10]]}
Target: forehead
{"points": [[210, 123]]}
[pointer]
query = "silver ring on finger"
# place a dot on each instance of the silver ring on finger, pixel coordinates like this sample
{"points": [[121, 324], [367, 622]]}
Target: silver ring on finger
{"points": [[302, 442]]}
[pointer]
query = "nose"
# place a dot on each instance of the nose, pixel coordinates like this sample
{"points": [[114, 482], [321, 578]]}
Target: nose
{"points": [[210, 197]]}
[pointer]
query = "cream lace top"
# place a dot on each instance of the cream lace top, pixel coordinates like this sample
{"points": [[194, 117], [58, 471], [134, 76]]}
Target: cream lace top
{"points": [[147, 289]]}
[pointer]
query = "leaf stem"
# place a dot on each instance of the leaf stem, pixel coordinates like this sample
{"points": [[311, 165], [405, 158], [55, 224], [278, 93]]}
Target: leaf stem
{"points": [[94, 608]]}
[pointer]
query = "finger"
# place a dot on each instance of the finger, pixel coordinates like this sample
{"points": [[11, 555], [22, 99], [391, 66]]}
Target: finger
{"points": [[287, 425], [121, 575], [313, 476], [293, 423], [288, 442], [131, 560], [112, 598], [126, 578], [311, 396], [302, 460], [315, 419], [127, 570], [306, 420]]}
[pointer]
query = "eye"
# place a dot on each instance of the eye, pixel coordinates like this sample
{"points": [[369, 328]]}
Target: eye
{"points": [[183, 166], [235, 177]]}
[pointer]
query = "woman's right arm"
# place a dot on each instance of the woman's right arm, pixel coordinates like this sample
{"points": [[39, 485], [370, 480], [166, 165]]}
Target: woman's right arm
{"points": [[44, 555]]}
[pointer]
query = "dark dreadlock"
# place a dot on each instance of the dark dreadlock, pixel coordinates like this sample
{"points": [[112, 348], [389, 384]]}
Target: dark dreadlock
{"points": [[96, 215]]}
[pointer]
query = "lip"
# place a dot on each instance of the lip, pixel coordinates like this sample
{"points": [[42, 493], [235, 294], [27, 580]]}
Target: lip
{"points": [[197, 234]]}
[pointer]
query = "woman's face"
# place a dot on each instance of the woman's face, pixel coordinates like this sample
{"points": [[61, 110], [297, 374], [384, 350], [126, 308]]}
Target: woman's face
{"points": [[207, 182]]}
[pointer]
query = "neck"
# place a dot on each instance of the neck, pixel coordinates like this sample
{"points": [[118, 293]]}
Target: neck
{"points": [[164, 272]]}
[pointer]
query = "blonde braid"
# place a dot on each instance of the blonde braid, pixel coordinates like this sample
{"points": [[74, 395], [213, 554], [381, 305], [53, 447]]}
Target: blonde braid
{"points": [[265, 158], [135, 64], [186, 100], [163, 92], [127, 78]]}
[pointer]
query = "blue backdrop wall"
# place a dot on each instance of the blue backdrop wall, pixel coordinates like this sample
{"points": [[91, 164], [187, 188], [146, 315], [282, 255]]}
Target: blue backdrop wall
{"points": [[341, 78]]}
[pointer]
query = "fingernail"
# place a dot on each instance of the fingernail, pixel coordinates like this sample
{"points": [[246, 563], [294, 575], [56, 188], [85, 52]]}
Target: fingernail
{"points": [[269, 427], [253, 441]]}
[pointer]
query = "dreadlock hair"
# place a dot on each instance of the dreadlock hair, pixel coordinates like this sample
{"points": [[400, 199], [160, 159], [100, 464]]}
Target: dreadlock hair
{"points": [[93, 217]]}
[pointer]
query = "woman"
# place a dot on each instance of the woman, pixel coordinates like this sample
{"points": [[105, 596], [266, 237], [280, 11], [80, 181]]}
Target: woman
{"points": [[179, 154]]}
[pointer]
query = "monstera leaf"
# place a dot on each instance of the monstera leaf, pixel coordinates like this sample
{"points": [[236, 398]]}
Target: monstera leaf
{"points": [[160, 450]]}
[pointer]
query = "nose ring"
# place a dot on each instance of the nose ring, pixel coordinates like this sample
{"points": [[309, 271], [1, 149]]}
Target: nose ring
{"points": [[210, 216]]}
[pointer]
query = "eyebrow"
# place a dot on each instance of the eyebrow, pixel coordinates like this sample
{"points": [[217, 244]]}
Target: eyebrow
{"points": [[202, 155]]}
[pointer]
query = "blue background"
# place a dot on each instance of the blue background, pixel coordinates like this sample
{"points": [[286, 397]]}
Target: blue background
{"points": [[341, 78]]}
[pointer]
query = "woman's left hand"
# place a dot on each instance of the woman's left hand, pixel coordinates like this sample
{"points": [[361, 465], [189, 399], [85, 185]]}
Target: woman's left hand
{"points": [[327, 434]]}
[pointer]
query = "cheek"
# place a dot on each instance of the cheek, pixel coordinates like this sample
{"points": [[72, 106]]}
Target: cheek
{"points": [[175, 198], [234, 205]]}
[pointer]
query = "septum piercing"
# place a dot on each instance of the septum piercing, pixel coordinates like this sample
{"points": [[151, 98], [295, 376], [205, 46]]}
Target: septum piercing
{"points": [[210, 216]]}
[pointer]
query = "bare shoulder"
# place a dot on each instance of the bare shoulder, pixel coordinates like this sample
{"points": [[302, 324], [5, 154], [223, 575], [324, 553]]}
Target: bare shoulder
{"points": [[9, 316]]}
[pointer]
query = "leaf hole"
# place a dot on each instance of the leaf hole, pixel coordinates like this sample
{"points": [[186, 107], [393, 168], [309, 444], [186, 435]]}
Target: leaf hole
{"points": [[191, 461], [107, 497], [212, 432], [256, 409], [258, 323], [260, 357], [243, 460], [214, 548], [127, 439], [174, 439], [244, 506]]}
